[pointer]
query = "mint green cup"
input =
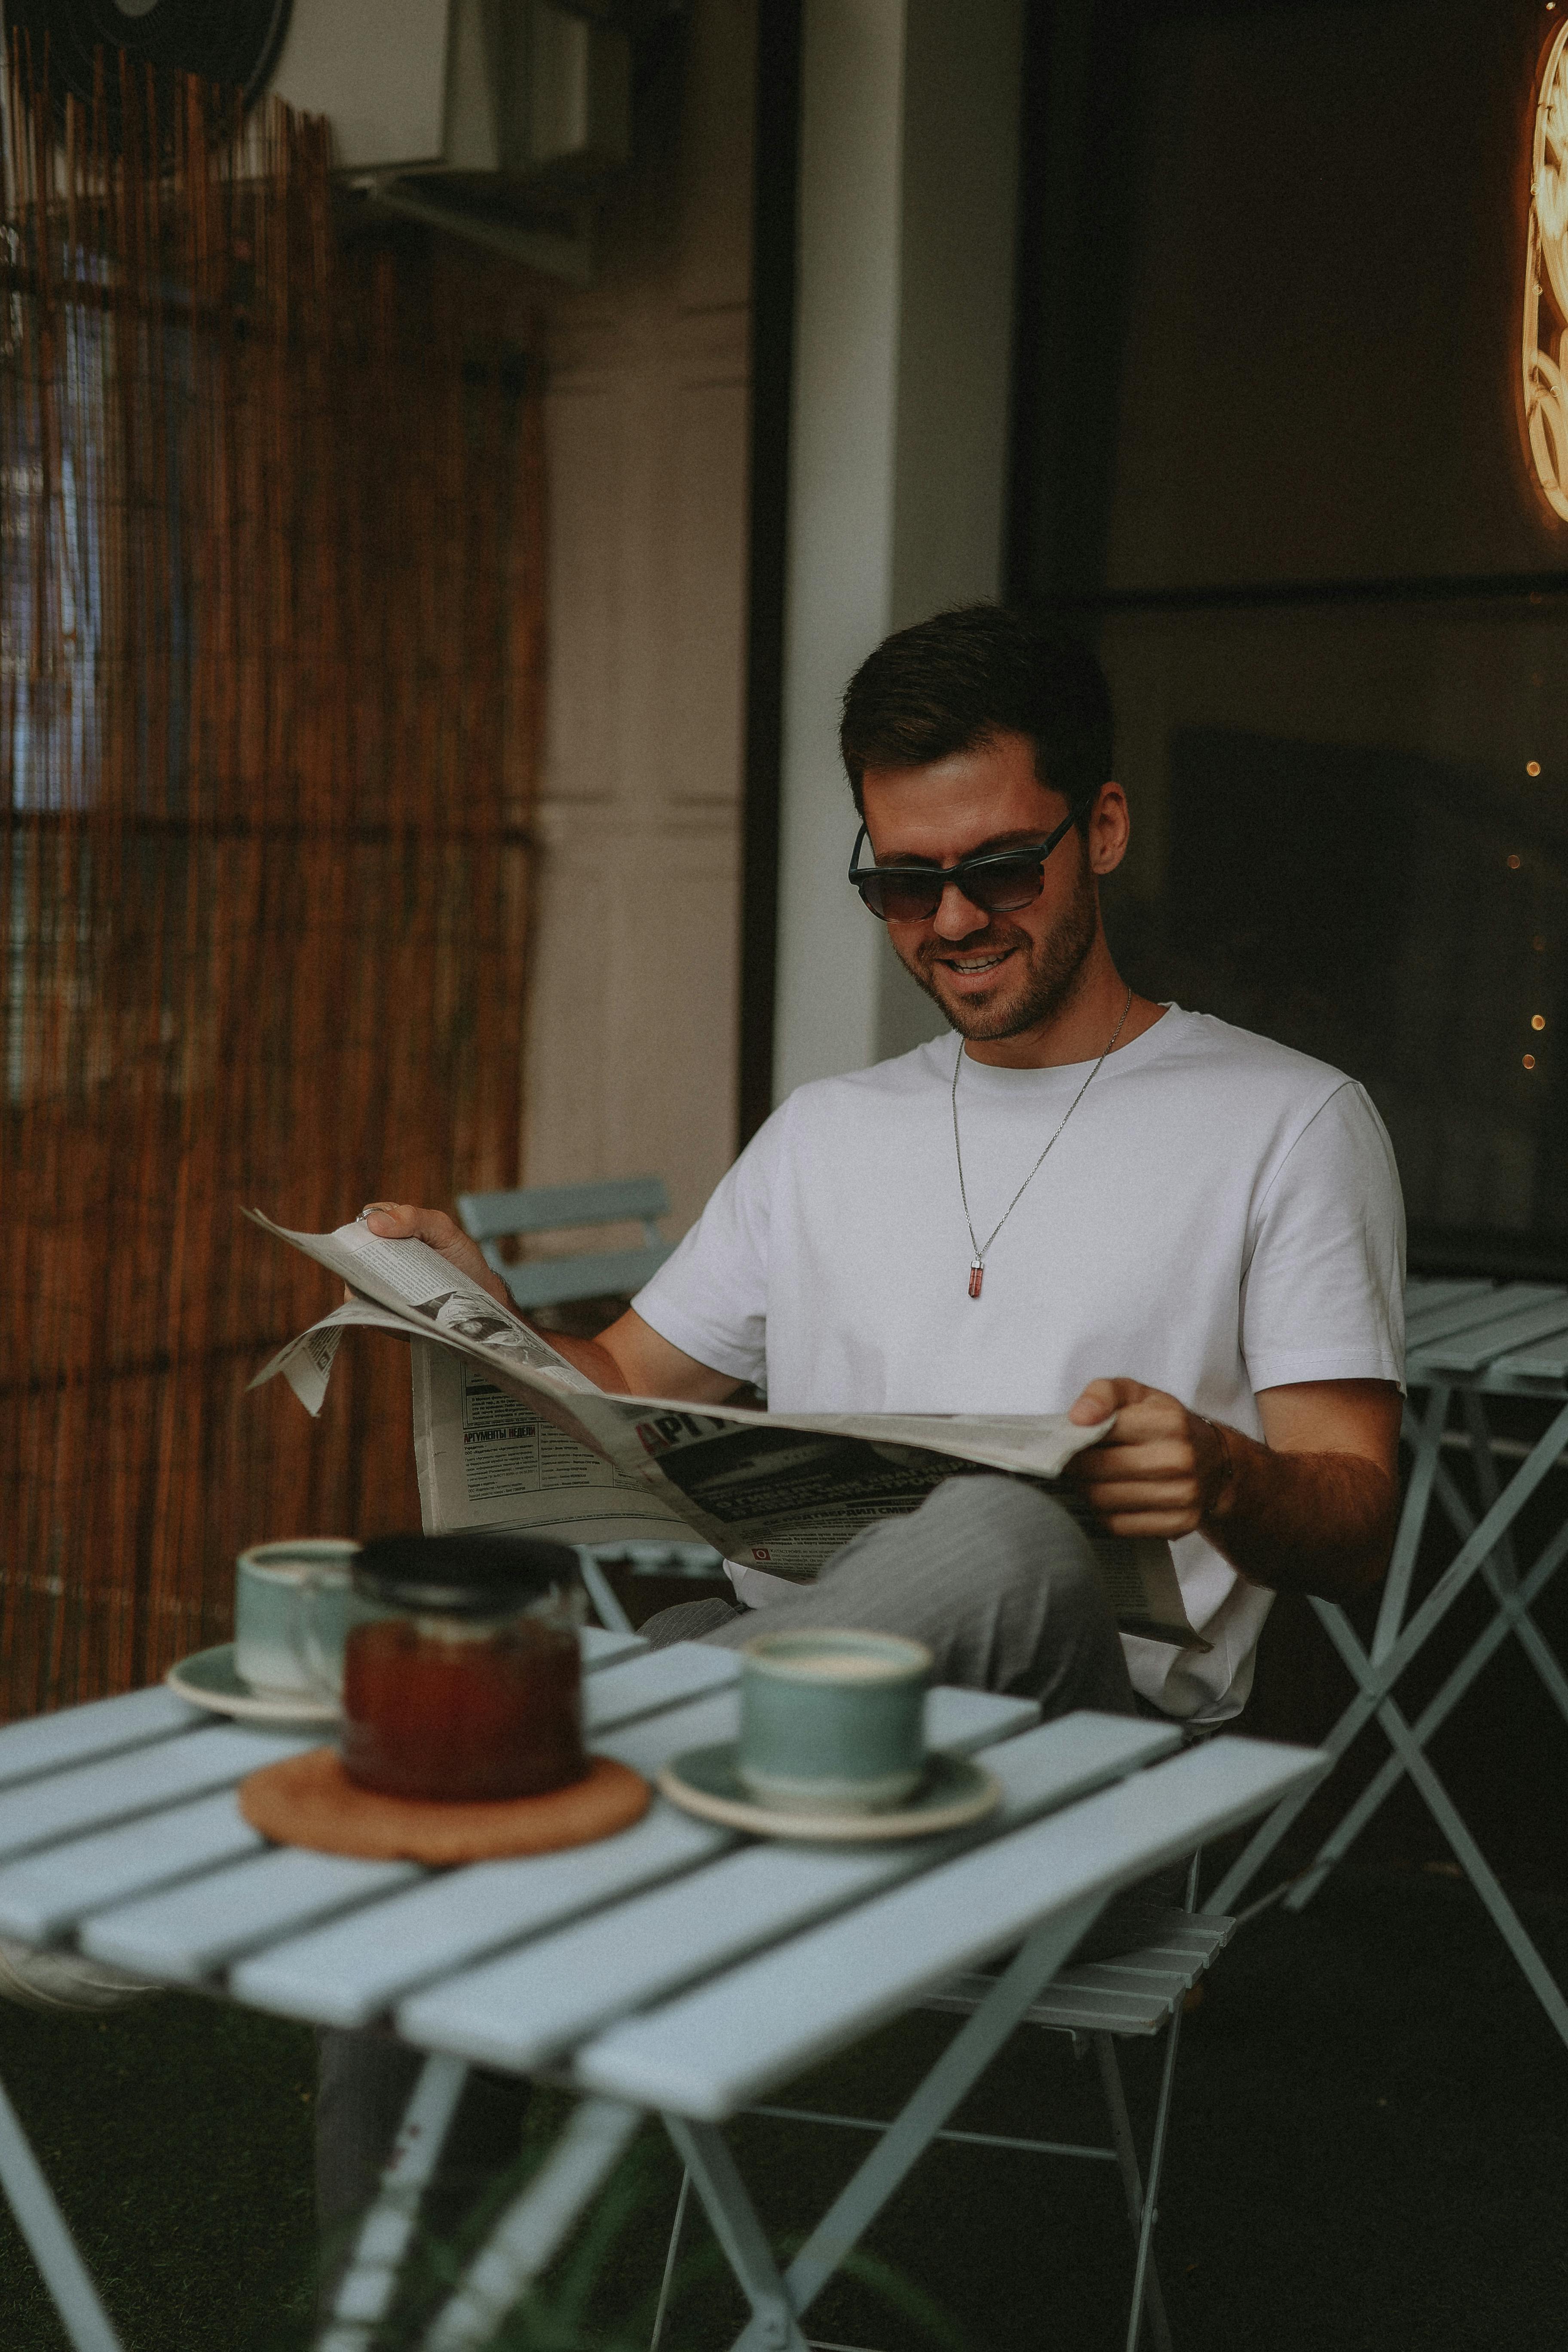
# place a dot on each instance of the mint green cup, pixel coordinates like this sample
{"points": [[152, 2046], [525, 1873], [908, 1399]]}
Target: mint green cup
{"points": [[293, 1606], [833, 1722]]}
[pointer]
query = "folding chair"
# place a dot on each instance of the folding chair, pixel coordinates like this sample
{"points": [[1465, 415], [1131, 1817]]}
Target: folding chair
{"points": [[491, 1217], [647, 1559], [1098, 2002], [488, 1218]]}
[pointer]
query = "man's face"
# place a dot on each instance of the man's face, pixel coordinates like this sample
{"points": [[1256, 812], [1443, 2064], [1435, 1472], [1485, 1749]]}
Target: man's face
{"points": [[994, 975]]}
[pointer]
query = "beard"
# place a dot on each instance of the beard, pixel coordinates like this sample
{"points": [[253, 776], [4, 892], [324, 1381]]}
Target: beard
{"points": [[1038, 984]]}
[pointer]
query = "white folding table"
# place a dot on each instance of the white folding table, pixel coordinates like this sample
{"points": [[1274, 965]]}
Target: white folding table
{"points": [[1469, 1339], [677, 1969]]}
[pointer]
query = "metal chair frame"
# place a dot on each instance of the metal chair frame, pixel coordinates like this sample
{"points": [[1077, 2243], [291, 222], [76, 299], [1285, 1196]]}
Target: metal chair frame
{"points": [[491, 1217], [1135, 1993], [647, 1559]]}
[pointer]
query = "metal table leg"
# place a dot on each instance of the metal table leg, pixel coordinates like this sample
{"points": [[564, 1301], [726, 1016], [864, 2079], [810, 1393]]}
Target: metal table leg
{"points": [[1432, 1716], [779, 2302], [672, 2255], [1502, 1571], [1466, 1852], [1500, 1507], [43, 2225], [1396, 1643], [1514, 1600], [950, 2082], [528, 2233], [370, 2282], [705, 2152], [1423, 1435]]}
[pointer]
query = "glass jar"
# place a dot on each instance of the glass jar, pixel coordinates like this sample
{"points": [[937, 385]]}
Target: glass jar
{"points": [[467, 1686]]}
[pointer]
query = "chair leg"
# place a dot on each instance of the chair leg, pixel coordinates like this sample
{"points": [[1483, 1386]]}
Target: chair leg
{"points": [[1146, 2291], [1146, 2296], [601, 1592], [676, 2231]]}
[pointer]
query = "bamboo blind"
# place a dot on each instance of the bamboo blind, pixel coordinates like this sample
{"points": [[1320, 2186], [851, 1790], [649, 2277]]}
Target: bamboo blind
{"points": [[271, 623]]}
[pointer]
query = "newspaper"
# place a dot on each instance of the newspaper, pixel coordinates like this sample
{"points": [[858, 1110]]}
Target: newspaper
{"points": [[508, 1435]]}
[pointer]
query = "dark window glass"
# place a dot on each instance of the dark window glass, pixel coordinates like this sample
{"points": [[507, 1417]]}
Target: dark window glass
{"points": [[1270, 454]]}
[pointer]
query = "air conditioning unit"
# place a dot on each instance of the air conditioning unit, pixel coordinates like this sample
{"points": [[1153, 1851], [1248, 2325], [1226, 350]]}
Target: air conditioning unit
{"points": [[499, 120]]}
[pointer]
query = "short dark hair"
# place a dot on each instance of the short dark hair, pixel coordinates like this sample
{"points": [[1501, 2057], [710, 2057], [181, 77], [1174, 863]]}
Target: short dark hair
{"points": [[953, 682]]}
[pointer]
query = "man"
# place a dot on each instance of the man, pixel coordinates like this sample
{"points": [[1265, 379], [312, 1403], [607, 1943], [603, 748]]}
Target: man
{"points": [[1085, 1199], [1088, 1199]]}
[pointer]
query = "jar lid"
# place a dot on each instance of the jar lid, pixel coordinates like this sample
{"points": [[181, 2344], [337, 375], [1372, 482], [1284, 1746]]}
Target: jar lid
{"points": [[462, 1575]]}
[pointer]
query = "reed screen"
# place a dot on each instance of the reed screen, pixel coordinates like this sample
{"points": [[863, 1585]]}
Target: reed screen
{"points": [[271, 503]]}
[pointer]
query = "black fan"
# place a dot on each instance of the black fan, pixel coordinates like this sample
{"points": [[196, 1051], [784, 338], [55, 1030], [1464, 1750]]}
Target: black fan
{"points": [[234, 43]]}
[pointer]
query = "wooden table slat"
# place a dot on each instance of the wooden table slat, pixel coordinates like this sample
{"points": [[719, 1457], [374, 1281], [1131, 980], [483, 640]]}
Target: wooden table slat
{"points": [[1471, 1350], [51, 1743], [196, 1927], [711, 2051], [44, 1894], [186, 1932], [347, 1973], [659, 1678], [91, 1796], [647, 1745], [962, 1721], [1425, 1294], [525, 2007], [603, 1645], [78, 1734], [1483, 1306], [1543, 1360], [1427, 1304]]}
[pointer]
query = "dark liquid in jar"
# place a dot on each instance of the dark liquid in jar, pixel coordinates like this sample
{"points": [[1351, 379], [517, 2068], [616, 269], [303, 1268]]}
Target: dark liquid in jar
{"points": [[467, 1720]]}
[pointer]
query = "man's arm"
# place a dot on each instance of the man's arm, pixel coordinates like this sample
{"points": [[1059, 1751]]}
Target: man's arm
{"points": [[628, 1359], [1313, 1510]]}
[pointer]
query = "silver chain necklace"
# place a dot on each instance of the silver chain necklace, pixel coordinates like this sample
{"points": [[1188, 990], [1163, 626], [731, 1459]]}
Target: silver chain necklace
{"points": [[977, 1263]]}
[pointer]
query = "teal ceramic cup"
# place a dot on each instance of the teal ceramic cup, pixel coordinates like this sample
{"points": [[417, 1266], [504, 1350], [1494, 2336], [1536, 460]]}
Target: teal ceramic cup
{"points": [[293, 1606], [833, 1722]]}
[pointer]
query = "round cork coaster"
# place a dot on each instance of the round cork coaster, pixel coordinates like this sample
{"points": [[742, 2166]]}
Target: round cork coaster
{"points": [[309, 1801]]}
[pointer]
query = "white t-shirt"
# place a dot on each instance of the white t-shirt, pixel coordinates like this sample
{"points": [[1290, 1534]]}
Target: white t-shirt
{"points": [[1221, 1214]]}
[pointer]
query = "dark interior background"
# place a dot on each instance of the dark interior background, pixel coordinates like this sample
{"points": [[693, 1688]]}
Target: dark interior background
{"points": [[1269, 454]]}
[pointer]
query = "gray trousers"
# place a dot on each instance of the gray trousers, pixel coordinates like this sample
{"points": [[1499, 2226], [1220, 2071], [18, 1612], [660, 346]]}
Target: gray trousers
{"points": [[998, 1582], [993, 1577]]}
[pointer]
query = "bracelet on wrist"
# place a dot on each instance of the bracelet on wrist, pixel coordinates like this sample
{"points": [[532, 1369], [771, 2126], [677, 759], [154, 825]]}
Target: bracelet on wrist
{"points": [[1226, 1462]]}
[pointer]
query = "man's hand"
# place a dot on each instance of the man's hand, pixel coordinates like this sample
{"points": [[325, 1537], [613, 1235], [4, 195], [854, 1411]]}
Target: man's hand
{"points": [[400, 1221], [1160, 1472], [630, 1359], [1312, 1509]]}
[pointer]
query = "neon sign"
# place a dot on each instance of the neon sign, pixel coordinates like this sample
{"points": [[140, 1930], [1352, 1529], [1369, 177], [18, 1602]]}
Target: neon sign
{"points": [[1545, 346]]}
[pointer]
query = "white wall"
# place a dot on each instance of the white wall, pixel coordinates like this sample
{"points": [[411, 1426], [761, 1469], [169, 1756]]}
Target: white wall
{"points": [[909, 170], [908, 165], [632, 1025]]}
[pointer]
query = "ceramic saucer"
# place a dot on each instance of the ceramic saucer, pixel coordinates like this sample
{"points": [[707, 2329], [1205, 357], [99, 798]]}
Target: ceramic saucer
{"points": [[208, 1679], [706, 1780]]}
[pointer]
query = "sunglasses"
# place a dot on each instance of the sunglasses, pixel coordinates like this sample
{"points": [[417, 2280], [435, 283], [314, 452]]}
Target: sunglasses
{"points": [[997, 881]]}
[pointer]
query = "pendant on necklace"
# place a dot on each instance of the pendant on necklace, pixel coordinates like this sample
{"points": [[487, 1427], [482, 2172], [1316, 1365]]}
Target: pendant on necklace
{"points": [[976, 1275]]}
